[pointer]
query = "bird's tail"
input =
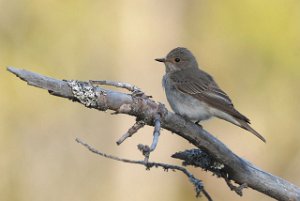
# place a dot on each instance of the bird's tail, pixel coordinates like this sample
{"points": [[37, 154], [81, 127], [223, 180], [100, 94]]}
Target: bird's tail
{"points": [[247, 127]]}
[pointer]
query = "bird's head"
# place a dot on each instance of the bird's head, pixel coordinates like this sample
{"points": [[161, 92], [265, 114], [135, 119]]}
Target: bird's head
{"points": [[178, 59]]}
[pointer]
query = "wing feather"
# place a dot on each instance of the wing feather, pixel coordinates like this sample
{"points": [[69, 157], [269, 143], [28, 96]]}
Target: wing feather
{"points": [[203, 87]]}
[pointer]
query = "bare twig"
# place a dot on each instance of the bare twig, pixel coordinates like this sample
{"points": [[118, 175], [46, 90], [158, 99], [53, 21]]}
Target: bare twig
{"points": [[196, 182], [238, 189], [145, 149], [123, 85], [138, 125], [156, 132]]}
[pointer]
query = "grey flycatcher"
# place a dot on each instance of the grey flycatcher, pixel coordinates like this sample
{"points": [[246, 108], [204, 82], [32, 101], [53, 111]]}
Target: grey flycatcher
{"points": [[193, 94]]}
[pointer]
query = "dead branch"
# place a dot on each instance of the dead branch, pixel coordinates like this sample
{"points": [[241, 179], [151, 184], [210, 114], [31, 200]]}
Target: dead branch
{"points": [[143, 108]]}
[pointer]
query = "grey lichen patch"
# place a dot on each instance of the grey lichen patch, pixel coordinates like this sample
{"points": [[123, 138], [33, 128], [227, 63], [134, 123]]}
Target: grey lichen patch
{"points": [[84, 92], [200, 158]]}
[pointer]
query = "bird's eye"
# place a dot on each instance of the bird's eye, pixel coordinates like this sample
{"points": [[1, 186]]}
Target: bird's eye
{"points": [[177, 59]]}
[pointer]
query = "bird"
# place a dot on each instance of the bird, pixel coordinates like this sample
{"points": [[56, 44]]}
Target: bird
{"points": [[193, 94]]}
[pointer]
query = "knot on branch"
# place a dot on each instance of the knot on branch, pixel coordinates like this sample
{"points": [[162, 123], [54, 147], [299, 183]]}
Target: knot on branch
{"points": [[145, 149]]}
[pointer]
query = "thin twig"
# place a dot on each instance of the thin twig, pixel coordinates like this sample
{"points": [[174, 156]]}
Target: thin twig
{"points": [[138, 125], [156, 132], [238, 189], [123, 85], [145, 149], [206, 194], [196, 182]]}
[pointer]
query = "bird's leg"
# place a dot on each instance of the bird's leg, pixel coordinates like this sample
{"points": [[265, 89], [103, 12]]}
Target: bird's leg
{"points": [[198, 123]]}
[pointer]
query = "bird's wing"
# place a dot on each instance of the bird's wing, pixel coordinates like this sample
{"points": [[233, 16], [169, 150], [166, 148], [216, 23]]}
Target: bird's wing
{"points": [[204, 88]]}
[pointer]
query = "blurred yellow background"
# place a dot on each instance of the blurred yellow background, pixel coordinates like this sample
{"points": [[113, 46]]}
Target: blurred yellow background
{"points": [[251, 47]]}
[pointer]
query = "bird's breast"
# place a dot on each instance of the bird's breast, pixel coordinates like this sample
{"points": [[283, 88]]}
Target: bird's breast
{"points": [[184, 104]]}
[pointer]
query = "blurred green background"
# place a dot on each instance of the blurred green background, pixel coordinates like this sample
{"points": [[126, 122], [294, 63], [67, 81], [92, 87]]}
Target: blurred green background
{"points": [[251, 47]]}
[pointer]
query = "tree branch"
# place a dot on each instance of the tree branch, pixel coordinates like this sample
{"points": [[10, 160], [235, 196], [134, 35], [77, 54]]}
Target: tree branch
{"points": [[237, 169]]}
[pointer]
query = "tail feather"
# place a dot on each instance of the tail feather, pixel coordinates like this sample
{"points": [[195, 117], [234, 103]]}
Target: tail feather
{"points": [[247, 127]]}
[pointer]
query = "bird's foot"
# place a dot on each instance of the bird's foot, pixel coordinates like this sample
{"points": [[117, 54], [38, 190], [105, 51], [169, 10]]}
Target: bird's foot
{"points": [[198, 123]]}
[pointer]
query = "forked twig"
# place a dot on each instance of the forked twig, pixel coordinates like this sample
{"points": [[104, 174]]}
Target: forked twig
{"points": [[196, 182], [145, 149], [238, 189]]}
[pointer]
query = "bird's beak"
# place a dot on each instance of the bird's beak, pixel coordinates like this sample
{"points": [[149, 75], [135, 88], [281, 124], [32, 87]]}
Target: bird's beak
{"points": [[161, 60]]}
